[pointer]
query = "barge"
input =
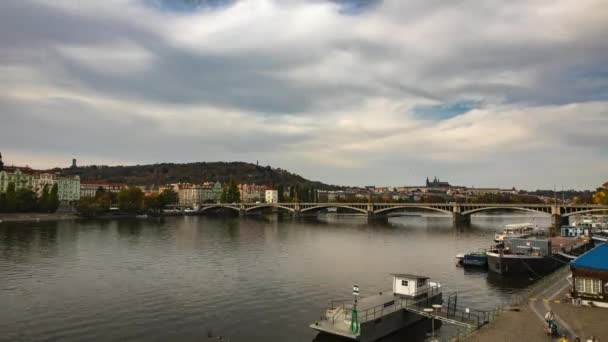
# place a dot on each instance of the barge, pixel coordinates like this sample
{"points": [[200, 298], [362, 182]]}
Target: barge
{"points": [[533, 256], [371, 318]]}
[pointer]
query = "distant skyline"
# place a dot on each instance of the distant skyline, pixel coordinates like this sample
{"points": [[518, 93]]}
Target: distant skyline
{"points": [[349, 92]]}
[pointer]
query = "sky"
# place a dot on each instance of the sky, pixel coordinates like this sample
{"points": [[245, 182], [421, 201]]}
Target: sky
{"points": [[350, 92]]}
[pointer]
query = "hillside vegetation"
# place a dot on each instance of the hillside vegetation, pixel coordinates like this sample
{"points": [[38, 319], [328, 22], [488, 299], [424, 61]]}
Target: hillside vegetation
{"points": [[166, 173]]}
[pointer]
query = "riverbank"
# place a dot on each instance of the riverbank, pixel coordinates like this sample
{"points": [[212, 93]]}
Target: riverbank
{"points": [[525, 322], [37, 217]]}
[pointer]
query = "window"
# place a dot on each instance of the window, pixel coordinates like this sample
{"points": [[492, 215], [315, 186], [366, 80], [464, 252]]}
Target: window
{"points": [[588, 285], [404, 283]]}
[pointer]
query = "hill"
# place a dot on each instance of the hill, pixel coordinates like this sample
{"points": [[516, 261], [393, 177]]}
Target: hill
{"points": [[167, 173]]}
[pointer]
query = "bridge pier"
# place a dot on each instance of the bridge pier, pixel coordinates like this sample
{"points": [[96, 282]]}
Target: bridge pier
{"points": [[458, 218], [557, 221]]}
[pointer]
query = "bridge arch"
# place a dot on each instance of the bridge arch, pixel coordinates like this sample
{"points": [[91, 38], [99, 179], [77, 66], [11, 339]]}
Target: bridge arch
{"points": [[221, 206], [262, 206], [395, 208], [324, 206], [533, 210]]}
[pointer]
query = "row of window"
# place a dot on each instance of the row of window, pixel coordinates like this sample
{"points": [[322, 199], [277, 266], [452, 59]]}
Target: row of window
{"points": [[588, 285]]}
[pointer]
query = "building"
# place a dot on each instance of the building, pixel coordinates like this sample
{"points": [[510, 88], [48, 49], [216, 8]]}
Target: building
{"points": [[189, 195], [89, 188], [272, 196], [21, 177], [436, 183], [68, 189], [590, 277], [212, 192], [42, 179], [251, 193]]}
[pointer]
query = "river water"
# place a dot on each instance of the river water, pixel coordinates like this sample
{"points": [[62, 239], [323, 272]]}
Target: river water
{"points": [[253, 279]]}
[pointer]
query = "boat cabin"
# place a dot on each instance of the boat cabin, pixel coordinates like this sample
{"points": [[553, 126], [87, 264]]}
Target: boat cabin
{"points": [[410, 285], [574, 231]]}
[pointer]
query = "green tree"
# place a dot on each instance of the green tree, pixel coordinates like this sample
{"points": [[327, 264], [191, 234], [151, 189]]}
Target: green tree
{"points": [[93, 206], [2, 202], [43, 201], [601, 195], [168, 197], [130, 199], [281, 195], [224, 196], [234, 195], [26, 200], [53, 199], [11, 198]]}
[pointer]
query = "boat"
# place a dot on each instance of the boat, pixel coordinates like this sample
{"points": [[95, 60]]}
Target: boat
{"points": [[476, 258], [373, 317], [332, 210], [533, 256], [517, 230]]}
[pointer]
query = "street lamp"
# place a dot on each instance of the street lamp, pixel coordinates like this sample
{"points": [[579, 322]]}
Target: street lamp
{"points": [[430, 311]]}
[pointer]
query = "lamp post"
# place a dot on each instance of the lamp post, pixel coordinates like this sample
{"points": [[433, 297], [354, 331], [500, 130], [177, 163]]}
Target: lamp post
{"points": [[430, 311]]}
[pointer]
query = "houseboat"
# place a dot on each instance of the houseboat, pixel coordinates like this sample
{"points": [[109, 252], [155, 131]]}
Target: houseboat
{"points": [[518, 230], [371, 318], [476, 259], [590, 277]]}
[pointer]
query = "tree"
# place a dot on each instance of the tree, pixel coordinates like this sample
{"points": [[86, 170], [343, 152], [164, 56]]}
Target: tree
{"points": [[26, 200], [130, 199], [53, 199], [168, 197], [43, 202], [601, 195], [281, 196], [2, 202], [93, 206], [11, 198], [153, 203]]}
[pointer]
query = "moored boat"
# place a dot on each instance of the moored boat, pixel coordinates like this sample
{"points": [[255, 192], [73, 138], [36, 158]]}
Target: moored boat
{"points": [[476, 258], [532, 256], [517, 230], [374, 317]]}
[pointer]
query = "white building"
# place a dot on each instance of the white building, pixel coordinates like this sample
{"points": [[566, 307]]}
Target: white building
{"points": [[40, 180], [68, 189], [272, 196]]}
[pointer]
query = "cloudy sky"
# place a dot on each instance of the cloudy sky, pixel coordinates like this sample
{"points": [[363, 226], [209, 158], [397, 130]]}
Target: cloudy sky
{"points": [[484, 93]]}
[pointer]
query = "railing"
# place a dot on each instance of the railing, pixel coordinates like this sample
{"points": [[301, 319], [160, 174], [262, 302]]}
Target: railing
{"points": [[381, 310]]}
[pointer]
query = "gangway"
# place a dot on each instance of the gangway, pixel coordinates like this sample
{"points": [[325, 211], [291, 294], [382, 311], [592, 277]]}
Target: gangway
{"points": [[455, 314]]}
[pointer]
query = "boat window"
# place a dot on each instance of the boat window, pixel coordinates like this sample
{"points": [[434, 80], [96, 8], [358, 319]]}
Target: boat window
{"points": [[404, 283]]}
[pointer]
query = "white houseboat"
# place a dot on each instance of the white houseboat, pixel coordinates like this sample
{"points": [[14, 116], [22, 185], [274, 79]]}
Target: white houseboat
{"points": [[373, 317]]}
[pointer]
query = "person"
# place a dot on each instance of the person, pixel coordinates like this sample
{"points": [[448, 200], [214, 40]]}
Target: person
{"points": [[549, 316]]}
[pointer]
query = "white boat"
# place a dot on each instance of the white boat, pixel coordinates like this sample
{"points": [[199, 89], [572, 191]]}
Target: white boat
{"points": [[516, 230]]}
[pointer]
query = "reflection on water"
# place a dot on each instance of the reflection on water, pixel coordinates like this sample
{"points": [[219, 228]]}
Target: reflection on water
{"points": [[255, 279]]}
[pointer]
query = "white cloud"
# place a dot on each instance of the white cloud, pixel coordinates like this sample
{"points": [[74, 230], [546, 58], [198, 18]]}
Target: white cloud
{"points": [[309, 88]]}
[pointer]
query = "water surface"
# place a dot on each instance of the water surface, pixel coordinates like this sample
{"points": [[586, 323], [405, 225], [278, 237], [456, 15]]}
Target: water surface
{"points": [[252, 279]]}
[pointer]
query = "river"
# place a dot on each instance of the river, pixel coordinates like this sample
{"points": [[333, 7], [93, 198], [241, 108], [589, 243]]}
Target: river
{"points": [[248, 279]]}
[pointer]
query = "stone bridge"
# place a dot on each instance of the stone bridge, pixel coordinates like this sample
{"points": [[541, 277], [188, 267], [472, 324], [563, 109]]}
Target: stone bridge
{"points": [[461, 212]]}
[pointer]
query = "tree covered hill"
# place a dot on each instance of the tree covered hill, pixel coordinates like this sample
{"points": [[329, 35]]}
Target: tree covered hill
{"points": [[166, 173]]}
